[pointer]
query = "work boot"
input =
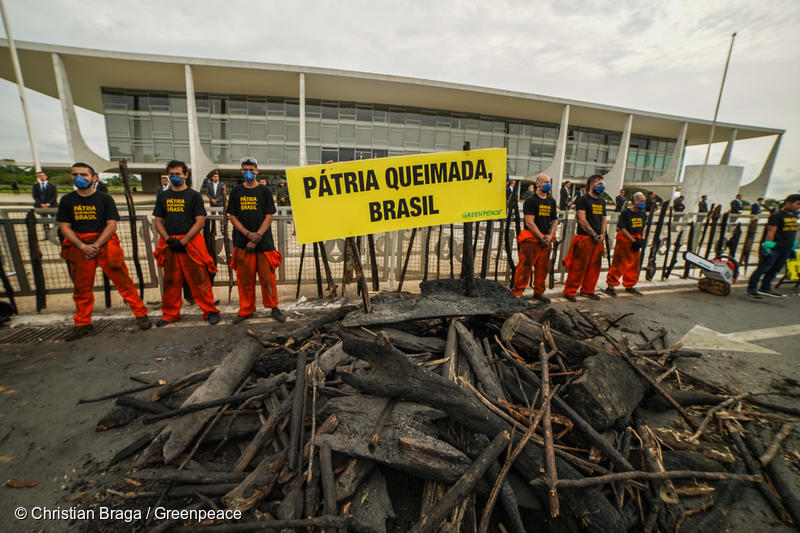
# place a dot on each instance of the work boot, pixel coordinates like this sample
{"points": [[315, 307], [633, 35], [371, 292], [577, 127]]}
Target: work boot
{"points": [[570, 298], [541, 298], [634, 290], [161, 322], [278, 315], [213, 318], [239, 318], [611, 292], [754, 294], [143, 322], [590, 295], [770, 293], [78, 332]]}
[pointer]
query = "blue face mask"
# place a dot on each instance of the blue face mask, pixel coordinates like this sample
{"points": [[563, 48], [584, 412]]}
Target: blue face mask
{"points": [[81, 182], [641, 206], [176, 180], [249, 176], [599, 189], [546, 188]]}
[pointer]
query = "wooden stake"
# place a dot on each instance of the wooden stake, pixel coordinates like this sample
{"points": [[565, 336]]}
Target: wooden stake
{"points": [[405, 261], [362, 282]]}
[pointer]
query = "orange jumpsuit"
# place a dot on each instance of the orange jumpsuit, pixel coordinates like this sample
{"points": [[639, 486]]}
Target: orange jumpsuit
{"points": [[583, 264], [625, 263], [194, 266], [531, 255], [249, 264], [82, 270]]}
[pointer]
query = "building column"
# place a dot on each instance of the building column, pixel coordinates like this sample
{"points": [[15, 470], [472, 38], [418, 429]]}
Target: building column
{"points": [[302, 97], [200, 164], [666, 183], [758, 187], [78, 149], [556, 168], [615, 178], [726, 155]]}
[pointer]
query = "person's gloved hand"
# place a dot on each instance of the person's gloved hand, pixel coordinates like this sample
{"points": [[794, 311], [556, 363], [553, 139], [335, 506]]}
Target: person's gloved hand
{"points": [[175, 245], [637, 245], [768, 246], [794, 246]]}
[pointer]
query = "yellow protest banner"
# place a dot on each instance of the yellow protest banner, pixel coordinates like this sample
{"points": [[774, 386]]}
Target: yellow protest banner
{"points": [[391, 193]]}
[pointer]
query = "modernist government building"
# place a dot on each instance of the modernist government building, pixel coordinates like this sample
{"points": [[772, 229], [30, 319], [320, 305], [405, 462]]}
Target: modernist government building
{"points": [[211, 113]]}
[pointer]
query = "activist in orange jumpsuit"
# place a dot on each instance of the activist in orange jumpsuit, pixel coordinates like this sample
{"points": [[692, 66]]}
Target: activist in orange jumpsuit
{"points": [[181, 251], [535, 241], [251, 207], [586, 252], [626, 263], [88, 221]]}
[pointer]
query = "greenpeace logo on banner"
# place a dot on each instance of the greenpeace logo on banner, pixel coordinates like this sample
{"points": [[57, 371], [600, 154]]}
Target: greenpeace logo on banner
{"points": [[393, 193]]}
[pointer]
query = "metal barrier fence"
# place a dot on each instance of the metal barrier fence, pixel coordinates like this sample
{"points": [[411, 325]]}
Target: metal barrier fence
{"points": [[444, 245]]}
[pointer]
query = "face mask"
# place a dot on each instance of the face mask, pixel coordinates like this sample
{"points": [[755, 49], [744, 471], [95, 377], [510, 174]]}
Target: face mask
{"points": [[599, 189], [81, 182], [641, 206], [546, 188], [248, 175], [176, 180]]}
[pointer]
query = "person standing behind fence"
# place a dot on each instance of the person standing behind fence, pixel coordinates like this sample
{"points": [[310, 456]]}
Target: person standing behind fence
{"points": [[44, 193], [778, 246], [702, 207], [586, 252], [214, 190], [627, 249], [757, 207], [565, 196], [535, 241], [619, 201], [251, 207], [164, 187], [179, 217], [88, 222], [736, 205]]}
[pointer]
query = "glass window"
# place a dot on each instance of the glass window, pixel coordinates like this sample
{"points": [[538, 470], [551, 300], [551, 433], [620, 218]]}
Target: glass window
{"points": [[380, 133], [239, 128], [275, 129], [427, 139], [396, 116], [484, 141], [219, 129], [412, 135], [237, 105], [180, 129], [143, 152], [330, 133], [364, 114], [117, 125], [292, 132], [498, 141], [580, 153], [177, 103], [159, 102], [256, 107], [364, 135], [470, 124], [202, 104], [347, 110], [292, 108], [347, 154], [116, 101], [486, 125], [428, 118], [640, 157], [238, 151], [141, 128], [514, 129], [347, 131], [659, 161], [396, 137], [276, 107], [292, 155], [220, 153], [413, 117], [330, 110], [181, 152], [312, 131], [313, 109], [548, 150], [161, 124], [163, 150], [313, 155], [259, 151], [330, 154], [442, 138], [257, 130], [380, 114], [218, 106], [204, 126], [119, 148], [535, 149]]}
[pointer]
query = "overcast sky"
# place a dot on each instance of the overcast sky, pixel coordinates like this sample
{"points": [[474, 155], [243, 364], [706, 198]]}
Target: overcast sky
{"points": [[659, 56]]}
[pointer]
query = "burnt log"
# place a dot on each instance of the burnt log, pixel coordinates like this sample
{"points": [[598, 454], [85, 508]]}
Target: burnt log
{"points": [[371, 505], [256, 485], [479, 363], [356, 471], [525, 334], [588, 510]]}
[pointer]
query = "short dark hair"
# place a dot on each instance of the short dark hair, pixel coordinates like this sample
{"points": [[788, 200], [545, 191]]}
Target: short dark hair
{"points": [[704, 196], [178, 164], [760, 198], [593, 178], [792, 198], [567, 182], [82, 165]]}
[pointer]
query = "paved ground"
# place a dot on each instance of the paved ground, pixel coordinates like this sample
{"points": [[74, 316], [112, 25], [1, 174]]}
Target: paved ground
{"points": [[45, 437]]}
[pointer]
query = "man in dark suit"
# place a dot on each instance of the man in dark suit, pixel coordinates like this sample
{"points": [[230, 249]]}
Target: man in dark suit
{"points": [[99, 185], [564, 200], [678, 206], [214, 190], [702, 207], [44, 193], [620, 201], [163, 187], [652, 202], [736, 205]]}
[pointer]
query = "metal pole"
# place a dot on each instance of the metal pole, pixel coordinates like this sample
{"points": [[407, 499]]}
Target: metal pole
{"points": [[719, 98], [12, 49]]}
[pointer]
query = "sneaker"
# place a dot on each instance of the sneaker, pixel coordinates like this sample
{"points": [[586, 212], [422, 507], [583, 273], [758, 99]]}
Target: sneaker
{"points": [[161, 323], [634, 290], [611, 292], [570, 298], [213, 318], [754, 294], [541, 298], [143, 322], [240, 318], [590, 295], [278, 315], [78, 332], [771, 293]]}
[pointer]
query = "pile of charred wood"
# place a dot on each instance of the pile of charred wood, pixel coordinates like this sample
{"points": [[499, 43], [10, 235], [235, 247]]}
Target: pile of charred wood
{"points": [[489, 422]]}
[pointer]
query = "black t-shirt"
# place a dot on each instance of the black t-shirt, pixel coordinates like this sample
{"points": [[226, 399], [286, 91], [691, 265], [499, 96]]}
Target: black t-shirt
{"points": [[251, 206], [787, 228], [87, 214], [178, 209], [632, 222], [595, 209], [543, 211]]}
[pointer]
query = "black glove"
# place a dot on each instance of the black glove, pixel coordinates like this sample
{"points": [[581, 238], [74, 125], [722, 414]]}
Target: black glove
{"points": [[176, 246], [637, 245]]}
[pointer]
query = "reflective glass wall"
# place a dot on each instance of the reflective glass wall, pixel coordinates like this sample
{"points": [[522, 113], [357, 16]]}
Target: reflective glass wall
{"points": [[152, 127]]}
